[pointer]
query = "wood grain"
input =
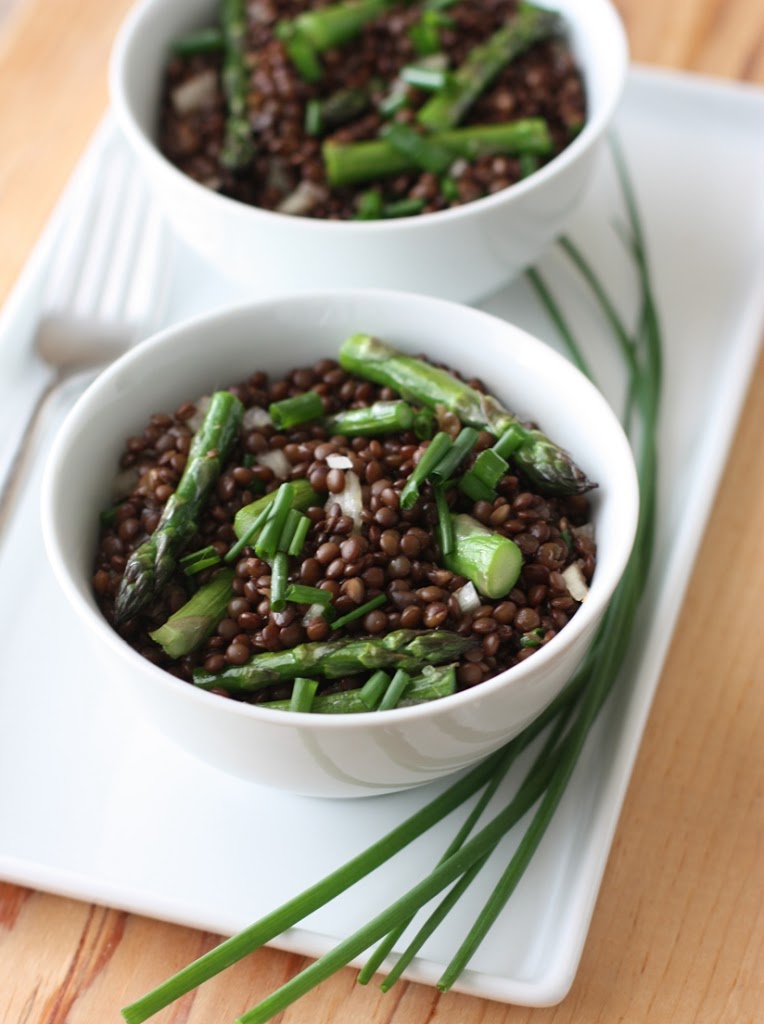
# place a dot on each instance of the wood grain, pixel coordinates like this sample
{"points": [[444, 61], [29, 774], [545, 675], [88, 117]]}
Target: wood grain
{"points": [[678, 931]]}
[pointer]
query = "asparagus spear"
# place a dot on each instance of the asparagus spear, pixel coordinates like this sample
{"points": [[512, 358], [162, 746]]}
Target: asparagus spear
{"points": [[491, 561], [152, 563], [189, 625], [436, 681], [335, 25], [378, 418], [483, 63], [408, 649], [238, 143], [544, 463], [347, 163]]}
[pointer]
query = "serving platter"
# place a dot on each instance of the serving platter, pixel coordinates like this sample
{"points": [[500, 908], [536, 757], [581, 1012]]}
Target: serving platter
{"points": [[96, 805]]}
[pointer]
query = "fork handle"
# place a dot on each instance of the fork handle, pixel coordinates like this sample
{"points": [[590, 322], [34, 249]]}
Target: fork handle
{"points": [[11, 486]]}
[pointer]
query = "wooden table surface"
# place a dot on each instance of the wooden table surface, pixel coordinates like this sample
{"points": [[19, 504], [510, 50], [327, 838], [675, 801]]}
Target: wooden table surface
{"points": [[678, 930]]}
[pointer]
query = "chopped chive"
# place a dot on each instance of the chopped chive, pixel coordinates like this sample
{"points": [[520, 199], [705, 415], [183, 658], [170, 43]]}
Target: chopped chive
{"points": [[290, 412], [279, 580], [395, 100], [109, 515], [313, 120], [475, 489], [408, 207], [299, 593], [432, 455], [424, 424], [512, 438], [290, 526], [202, 40], [373, 689], [300, 52], [303, 692], [369, 205], [490, 467], [449, 188], [532, 639], [297, 542], [360, 611], [463, 444], [267, 543], [198, 561], [445, 524], [253, 530], [398, 686], [529, 163]]}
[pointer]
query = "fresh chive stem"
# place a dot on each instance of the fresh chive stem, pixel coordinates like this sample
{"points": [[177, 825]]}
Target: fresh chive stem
{"points": [[463, 444], [374, 688], [233, 949], [431, 456], [279, 577], [303, 692], [392, 695], [267, 543], [360, 611], [299, 593], [445, 525], [251, 533]]}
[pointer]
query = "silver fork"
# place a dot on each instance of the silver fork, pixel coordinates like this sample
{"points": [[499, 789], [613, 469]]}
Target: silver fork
{"points": [[102, 292]]}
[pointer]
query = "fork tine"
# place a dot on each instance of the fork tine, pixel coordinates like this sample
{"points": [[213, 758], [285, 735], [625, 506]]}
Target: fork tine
{"points": [[124, 256], [111, 189]]}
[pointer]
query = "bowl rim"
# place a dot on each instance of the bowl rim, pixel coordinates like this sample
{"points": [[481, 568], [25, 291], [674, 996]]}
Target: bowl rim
{"points": [[607, 33], [79, 594]]}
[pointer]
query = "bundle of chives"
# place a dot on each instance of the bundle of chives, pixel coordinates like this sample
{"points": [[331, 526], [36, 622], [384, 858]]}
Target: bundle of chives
{"points": [[569, 720]]}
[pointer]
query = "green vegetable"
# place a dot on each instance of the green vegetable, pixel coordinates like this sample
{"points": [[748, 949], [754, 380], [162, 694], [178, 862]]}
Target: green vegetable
{"points": [[378, 418], [488, 559], [201, 40], [435, 682], [567, 723], [403, 149], [360, 611], [303, 694], [483, 63], [238, 143], [151, 565], [303, 496], [547, 465], [289, 412], [433, 453], [335, 25], [408, 649], [197, 618]]}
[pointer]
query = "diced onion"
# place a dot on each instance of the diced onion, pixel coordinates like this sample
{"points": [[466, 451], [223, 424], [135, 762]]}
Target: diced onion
{"points": [[337, 461], [256, 416], [467, 598], [302, 199], [197, 418], [124, 483], [577, 586], [313, 611], [195, 93], [276, 461], [350, 498]]}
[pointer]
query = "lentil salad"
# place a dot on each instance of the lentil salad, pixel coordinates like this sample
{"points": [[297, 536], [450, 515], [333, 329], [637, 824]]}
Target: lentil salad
{"points": [[366, 135], [370, 564]]}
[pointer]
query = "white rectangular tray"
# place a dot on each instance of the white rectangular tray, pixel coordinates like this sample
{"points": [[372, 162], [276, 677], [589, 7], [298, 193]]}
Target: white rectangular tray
{"points": [[95, 805]]}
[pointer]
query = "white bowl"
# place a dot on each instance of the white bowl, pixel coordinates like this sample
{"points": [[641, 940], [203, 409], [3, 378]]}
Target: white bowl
{"points": [[463, 253], [335, 755]]}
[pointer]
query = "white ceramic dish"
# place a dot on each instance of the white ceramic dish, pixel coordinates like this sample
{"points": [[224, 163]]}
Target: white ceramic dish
{"points": [[337, 755], [87, 787], [460, 254]]}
